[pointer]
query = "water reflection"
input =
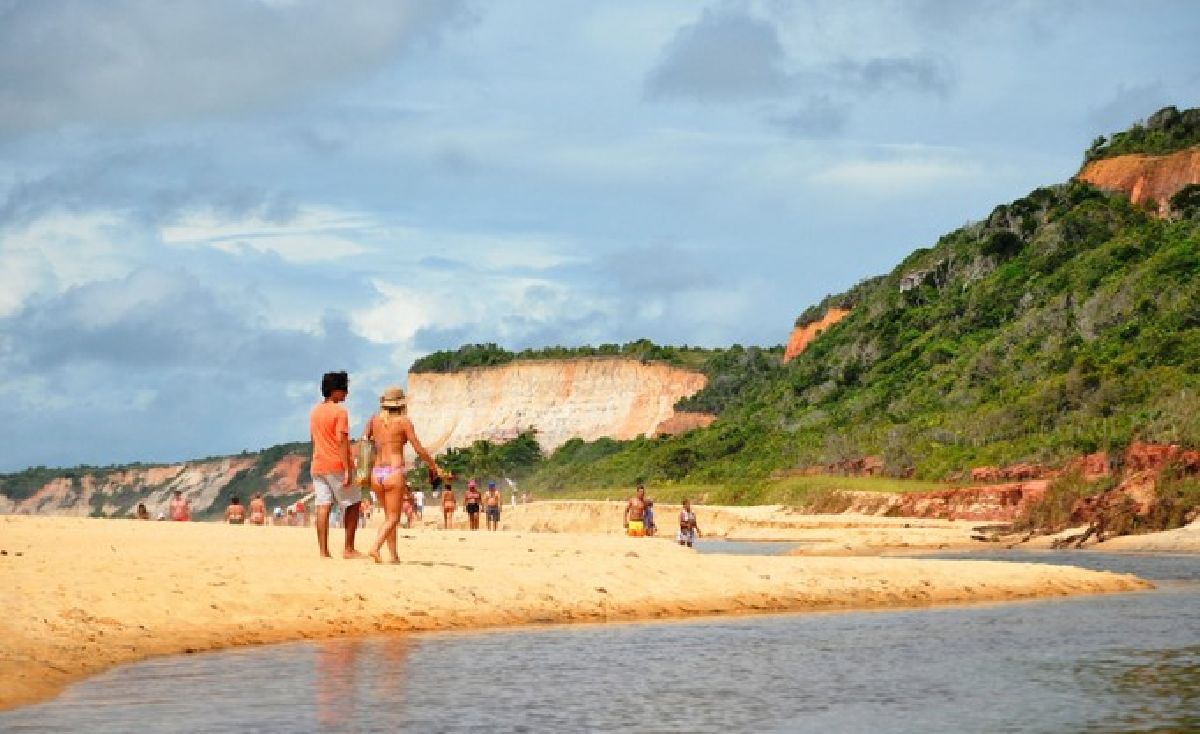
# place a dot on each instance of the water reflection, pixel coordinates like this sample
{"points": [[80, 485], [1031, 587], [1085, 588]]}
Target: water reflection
{"points": [[349, 683], [1158, 690], [1109, 663]]}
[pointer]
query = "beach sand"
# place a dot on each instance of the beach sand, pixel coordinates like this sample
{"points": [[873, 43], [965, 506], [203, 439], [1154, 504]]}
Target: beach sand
{"points": [[832, 534], [83, 595]]}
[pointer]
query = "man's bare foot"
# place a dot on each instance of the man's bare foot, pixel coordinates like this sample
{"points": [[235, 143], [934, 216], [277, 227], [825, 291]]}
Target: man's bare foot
{"points": [[395, 560], [351, 554], [326, 555], [375, 556]]}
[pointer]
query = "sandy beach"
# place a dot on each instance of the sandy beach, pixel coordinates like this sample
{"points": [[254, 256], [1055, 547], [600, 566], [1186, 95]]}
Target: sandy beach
{"points": [[832, 534], [83, 595]]}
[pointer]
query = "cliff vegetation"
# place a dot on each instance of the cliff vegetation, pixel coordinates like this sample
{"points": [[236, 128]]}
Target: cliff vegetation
{"points": [[1166, 131], [1066, 322]]}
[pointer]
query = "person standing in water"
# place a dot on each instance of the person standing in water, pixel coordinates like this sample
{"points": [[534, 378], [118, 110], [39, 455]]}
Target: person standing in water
{"points": [[688, 529], [391, 430], [332, 467], [491, 505], [635, 510]]}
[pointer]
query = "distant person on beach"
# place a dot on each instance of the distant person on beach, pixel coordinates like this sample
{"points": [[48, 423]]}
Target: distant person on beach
{"points": [[648, 519], [142, 513], [332, 467], [491, 502], [472, 499], [407, 511], [391, 430], [258, 510], [235, 514], [419, 503], [181, 509], [449, 504], [688, 529], [635, 510]]}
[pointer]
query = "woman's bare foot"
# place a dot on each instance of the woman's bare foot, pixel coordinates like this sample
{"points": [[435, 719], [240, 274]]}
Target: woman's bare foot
{"points": [[375, 556]]}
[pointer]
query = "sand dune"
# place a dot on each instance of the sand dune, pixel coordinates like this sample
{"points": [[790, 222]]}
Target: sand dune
{"points": [[82, 595]]}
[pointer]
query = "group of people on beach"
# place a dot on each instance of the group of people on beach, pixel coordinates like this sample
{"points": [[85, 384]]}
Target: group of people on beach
{"points": [[388, 432], [639, 519], [339, 491]]}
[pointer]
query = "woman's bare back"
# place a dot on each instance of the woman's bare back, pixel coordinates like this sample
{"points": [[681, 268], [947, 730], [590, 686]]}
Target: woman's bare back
{"points": [[391, 434]]}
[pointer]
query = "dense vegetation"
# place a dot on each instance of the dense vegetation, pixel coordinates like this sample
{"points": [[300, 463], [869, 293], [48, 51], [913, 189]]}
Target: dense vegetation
{"points": [[1166, 131], [1068, 321], [491, 355]]}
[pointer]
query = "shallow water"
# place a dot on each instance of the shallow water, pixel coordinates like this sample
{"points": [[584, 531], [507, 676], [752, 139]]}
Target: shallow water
{"points": [[1118, 663]]}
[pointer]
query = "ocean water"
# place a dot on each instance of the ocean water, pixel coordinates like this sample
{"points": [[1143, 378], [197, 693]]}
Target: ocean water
{"points": [[1118, 663]]}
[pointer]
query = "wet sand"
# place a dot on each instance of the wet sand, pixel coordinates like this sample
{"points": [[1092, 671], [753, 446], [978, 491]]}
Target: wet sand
{"points": [[83, 595]]}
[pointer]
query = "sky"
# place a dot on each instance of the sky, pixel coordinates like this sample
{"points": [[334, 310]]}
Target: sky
{"points": [[206, 205]]}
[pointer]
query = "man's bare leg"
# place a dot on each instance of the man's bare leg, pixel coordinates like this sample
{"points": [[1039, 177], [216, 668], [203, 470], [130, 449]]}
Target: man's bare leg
{"points": [[323, 529], [351, 522]]}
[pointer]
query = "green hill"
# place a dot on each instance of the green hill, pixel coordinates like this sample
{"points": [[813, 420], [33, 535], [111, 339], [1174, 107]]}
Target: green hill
{"points": [[1068, 321]]}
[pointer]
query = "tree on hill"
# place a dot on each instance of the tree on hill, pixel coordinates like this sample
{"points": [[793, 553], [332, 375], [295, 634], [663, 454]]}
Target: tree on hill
{"points": [[1166, 131]]}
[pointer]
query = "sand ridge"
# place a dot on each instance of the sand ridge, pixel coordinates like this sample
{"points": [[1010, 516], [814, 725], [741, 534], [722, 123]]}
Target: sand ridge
{"points": [[82, 595]]}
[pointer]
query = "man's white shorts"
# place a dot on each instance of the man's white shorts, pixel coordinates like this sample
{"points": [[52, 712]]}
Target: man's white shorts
{"points": [[328, 489]]}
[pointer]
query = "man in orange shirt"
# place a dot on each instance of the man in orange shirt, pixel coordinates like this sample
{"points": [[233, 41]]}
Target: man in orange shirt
{"points": [[332, 468]]}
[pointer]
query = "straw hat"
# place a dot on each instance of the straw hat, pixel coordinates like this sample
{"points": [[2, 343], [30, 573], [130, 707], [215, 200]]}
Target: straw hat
{"points": [[393, 397]]}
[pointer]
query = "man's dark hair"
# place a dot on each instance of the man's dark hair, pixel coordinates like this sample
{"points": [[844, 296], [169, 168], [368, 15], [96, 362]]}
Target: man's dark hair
{"points": [[331, 381]]}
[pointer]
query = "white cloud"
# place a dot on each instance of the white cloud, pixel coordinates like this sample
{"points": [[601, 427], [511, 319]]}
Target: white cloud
{"points": [[316, 234], [61, 250]]}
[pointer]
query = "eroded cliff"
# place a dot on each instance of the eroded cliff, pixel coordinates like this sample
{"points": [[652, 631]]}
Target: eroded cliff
{"points": [[207, 485], [561, 399], [802, 336], [1145, 178]]}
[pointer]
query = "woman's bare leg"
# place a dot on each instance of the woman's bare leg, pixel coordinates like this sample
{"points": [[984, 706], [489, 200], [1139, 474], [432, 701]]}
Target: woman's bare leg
{"points": [[390, 499], [397, 489]]}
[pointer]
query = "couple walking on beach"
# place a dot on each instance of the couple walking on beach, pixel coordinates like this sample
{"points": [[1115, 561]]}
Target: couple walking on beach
{"points": [[390, 430]]}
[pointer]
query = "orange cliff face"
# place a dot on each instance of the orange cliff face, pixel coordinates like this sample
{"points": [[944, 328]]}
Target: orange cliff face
{"points": [[586, 398], [1145, 177], [802, 336]]}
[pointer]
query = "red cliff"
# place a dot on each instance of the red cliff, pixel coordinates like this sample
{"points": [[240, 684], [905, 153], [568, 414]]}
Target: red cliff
{"points": [[1145, 178], [802, 336]]}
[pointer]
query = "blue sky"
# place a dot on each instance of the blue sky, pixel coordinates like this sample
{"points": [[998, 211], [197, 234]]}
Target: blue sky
{"points": [[205, 205]]}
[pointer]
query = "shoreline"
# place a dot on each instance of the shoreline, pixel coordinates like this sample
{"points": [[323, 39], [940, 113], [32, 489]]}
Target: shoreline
{"points": [[85, 595]]}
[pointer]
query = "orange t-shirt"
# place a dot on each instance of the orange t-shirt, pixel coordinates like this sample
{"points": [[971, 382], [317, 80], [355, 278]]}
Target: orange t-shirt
{"points": [[327, 424]]}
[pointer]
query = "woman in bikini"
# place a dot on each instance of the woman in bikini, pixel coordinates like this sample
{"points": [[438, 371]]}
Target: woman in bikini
{"points": [[391, 430], [448, 504]]}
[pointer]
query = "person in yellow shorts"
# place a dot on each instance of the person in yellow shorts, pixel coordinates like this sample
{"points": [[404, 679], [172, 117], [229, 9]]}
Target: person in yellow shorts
{"points": [[635, 513]]}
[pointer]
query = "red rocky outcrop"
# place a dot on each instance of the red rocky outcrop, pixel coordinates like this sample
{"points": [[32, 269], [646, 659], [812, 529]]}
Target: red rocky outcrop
{"points": [[1145, 178]]}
